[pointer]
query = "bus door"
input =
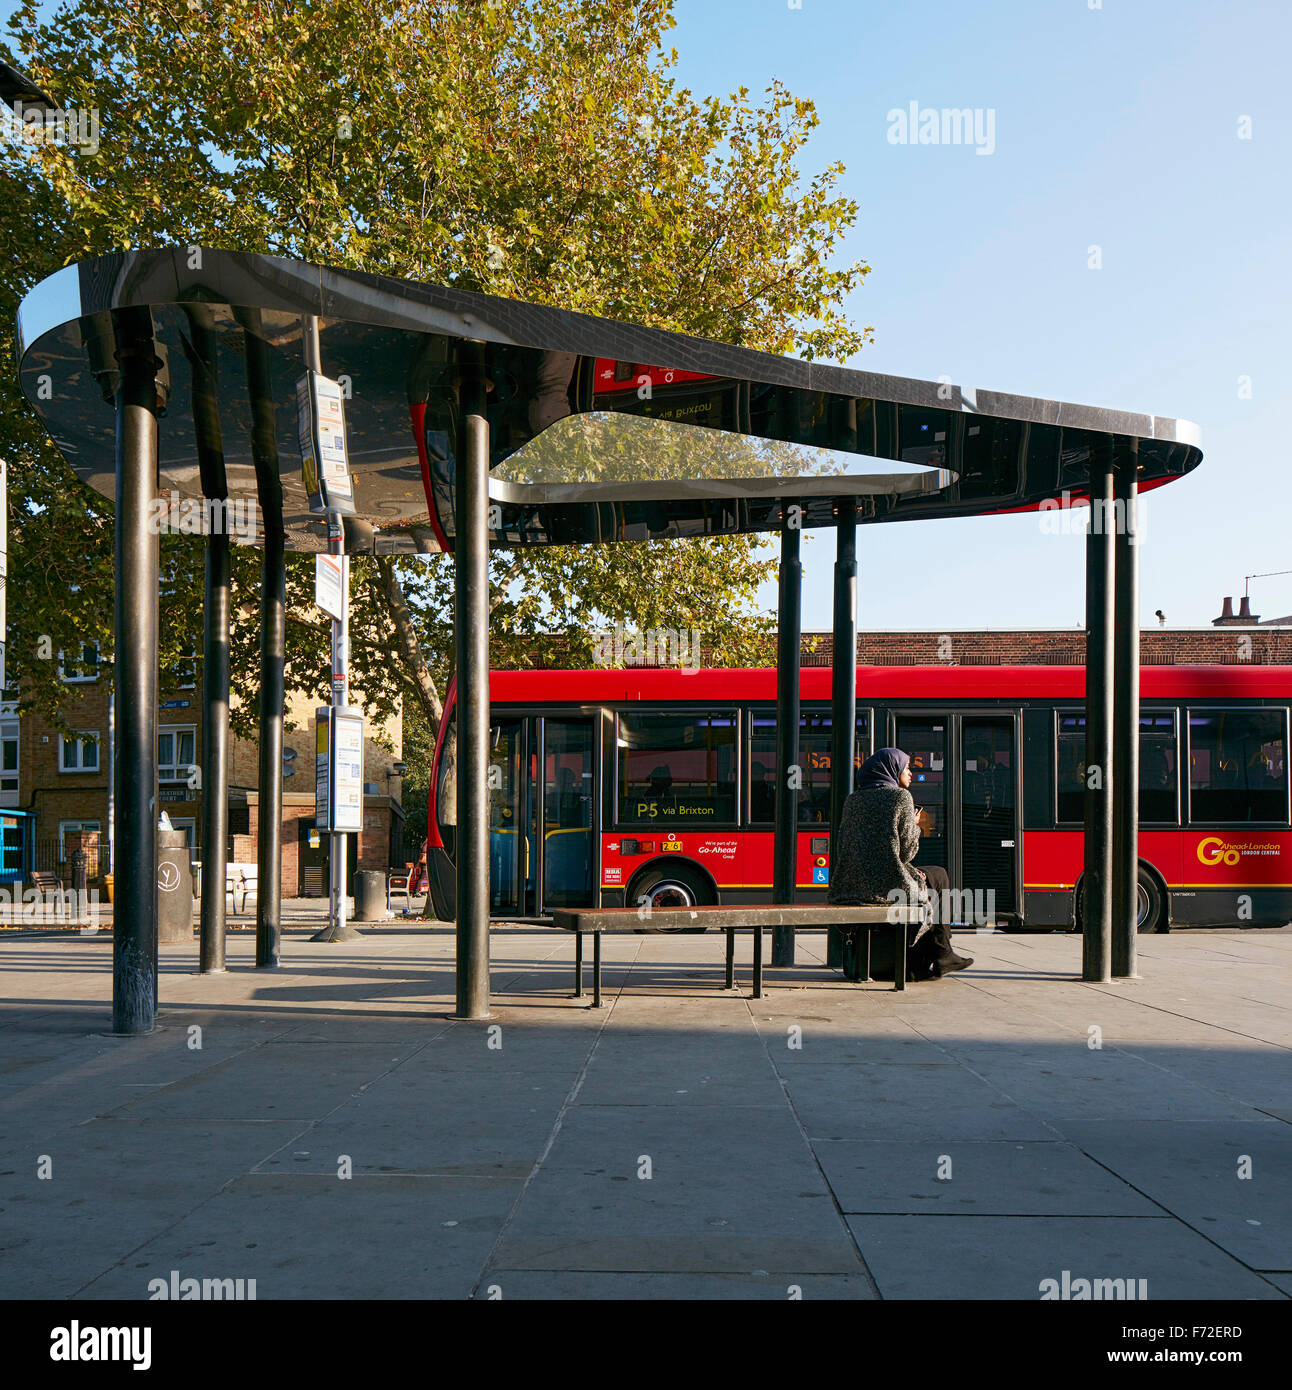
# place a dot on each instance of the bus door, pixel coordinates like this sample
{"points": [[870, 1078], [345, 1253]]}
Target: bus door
{"points": [[541, 773], [965, 782]]}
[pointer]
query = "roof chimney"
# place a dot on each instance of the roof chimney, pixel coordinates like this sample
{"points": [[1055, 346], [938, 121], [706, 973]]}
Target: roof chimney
{"points": [[1245, 614], [1226, 614]]}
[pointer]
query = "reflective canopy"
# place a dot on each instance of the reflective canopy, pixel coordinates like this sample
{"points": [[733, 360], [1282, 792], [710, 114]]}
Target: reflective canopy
{"points": [[599, 430]]}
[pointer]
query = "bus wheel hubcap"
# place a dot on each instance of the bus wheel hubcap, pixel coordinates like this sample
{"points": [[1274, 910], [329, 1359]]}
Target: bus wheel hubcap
{"points": [[671, 895]]}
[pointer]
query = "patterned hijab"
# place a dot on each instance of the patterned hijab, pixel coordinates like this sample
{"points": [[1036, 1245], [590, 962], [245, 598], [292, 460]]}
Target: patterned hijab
{"points": [[882, 769]]}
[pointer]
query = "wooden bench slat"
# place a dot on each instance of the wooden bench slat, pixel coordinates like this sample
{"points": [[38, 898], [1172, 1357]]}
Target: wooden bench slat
{"points": [[751, 917]]}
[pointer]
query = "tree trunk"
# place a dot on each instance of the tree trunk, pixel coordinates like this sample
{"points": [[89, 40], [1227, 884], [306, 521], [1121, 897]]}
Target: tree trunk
{"points": [[407, 644]]}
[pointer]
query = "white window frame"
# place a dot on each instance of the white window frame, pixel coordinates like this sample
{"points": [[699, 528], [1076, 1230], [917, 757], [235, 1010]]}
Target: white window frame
{"points": [[66, 825], [81, 680], [80, 739], [11, 728], [179, 771], [188, 823]]}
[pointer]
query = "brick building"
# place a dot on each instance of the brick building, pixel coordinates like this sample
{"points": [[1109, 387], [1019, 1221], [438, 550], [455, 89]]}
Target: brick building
{"points": [[55, 785]]}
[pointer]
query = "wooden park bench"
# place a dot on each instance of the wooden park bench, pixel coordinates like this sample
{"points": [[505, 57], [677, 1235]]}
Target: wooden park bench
{"points": [[46, 883], [855, 922]]}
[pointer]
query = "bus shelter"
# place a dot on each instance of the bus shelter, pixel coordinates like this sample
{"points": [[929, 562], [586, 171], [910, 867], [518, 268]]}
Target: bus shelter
{"points": [[171, 378]]}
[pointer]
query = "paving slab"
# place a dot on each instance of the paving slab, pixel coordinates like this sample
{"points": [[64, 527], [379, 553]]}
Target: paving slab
{"points": [[995, 1257], [993, 1179], [939, 1101], [1230, 1182], [395, 1237]]}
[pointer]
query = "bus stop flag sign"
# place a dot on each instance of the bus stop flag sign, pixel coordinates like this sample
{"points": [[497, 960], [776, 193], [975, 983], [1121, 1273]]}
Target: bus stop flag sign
{"points": [[338, 769], [329, 584], [320, 428]]}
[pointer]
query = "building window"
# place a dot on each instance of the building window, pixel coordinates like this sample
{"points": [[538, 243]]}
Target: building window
{"points": [[65, 825], [1238, 765], [80, 753], [82, 667], [189, 826], [9, 758], [176, 753]]}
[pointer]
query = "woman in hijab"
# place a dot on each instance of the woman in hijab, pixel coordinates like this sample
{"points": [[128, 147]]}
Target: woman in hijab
{"points": [[879, 838]]}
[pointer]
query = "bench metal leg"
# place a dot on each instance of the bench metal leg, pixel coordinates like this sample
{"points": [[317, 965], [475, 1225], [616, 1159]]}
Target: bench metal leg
{"points": [[899, 957], [578, 965], [758, 963], [731, 959], [596, 970], [866, 977]]}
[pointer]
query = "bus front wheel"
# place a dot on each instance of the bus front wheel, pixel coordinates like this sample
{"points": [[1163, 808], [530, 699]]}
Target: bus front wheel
{"points": [[1150, 905], [669, 887]]}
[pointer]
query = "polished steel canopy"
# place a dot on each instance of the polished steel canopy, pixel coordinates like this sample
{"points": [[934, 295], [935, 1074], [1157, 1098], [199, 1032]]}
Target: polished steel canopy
{"points": [[598, 430]]}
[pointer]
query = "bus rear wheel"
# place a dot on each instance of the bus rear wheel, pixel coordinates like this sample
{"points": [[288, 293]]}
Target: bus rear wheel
{"points": [[1150, 906], [668, 887]]}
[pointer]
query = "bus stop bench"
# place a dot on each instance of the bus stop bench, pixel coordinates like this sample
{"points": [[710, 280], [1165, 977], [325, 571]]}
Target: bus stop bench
{"points": [[854, 921]]}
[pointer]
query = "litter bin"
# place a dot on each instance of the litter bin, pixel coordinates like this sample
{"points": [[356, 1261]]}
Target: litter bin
{"points": [[370, 902], [174, 887]]}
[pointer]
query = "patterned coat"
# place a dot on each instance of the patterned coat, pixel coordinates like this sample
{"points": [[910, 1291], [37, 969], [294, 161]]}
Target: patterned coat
{"points": [[878, 839]]}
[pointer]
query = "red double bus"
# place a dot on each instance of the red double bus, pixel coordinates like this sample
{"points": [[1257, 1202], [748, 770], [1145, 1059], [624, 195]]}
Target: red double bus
{"points": [[657, 785]]}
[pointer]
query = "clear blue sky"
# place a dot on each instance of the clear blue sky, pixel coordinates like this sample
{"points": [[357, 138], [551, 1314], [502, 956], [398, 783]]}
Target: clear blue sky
{"points": [[1115, 127]]}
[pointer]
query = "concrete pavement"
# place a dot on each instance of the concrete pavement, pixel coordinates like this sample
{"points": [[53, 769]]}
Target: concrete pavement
{"points": [[327, 1131]]}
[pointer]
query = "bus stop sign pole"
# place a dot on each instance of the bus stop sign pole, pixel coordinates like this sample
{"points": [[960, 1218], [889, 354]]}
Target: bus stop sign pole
{"points": [[328, 487]]}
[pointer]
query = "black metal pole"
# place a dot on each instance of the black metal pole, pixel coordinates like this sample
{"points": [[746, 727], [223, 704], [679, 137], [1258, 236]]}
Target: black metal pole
{"points": [[273, 607], [789, 773], [471, 642], [134, 934], [1096, 956], [215, 644], [843, 692], [215, 753], [1125, 717]]}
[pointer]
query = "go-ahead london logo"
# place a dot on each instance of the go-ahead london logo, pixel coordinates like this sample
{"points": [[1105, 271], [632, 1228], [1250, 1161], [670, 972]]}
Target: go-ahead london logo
{"points": [[1216, 850]]}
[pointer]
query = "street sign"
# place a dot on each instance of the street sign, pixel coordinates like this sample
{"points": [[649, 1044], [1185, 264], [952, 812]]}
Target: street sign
{"points": [[330, 583], [322, 765], [320, 428], [338, 769], [347, 770]]}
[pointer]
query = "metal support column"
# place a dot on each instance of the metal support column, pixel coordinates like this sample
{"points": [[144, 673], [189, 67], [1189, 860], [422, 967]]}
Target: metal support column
{"points": [[789, 773], [273, 606], [471, 643], [1096, 949], [1125, 717], [215, 753], [134, 935], [843, 693], [215, 643]]}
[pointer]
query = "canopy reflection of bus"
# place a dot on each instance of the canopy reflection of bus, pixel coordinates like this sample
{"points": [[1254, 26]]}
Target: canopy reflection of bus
{"points": [[657, 785]]}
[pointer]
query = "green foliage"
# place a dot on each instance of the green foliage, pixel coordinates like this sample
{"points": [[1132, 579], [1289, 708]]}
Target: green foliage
{"points": [[539, 149]]}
